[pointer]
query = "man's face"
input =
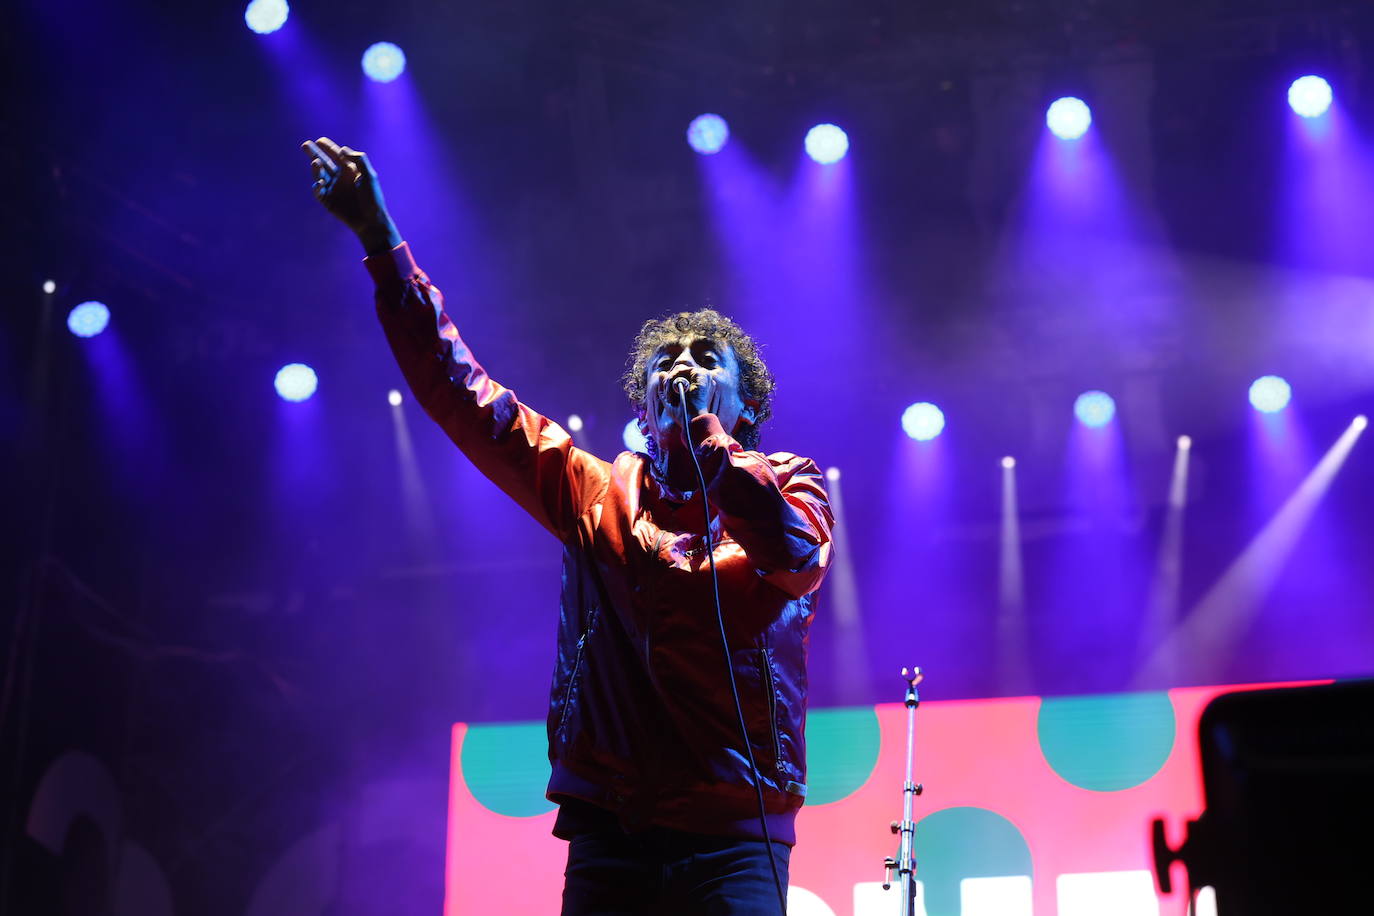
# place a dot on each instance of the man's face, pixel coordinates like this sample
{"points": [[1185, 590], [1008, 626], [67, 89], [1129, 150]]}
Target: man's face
{"points": [[711, 368]]}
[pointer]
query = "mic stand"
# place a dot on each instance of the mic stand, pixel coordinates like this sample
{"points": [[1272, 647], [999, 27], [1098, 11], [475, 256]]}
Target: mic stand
{"points": [[905, 860]]}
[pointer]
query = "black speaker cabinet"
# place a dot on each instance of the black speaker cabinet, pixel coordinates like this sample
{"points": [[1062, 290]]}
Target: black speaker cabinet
{"points": [[1288, 785]]}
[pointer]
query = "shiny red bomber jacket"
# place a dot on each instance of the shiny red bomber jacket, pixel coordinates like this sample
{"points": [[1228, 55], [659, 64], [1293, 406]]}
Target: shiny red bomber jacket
{"points": [[641, 719]]}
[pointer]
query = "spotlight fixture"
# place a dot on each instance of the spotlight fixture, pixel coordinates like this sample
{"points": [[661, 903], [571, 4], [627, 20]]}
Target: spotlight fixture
{"points": [[266, 16], [923, 421], [1270, 393], [708, 134], [1309, 96], [826, 143], [384, 62], [1094, 409], [88, 319], [1068, 118], [296, 382]]}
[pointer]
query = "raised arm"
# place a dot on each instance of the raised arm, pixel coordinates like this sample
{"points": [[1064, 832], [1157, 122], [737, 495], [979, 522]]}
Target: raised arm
{"points": [[527, 455]]}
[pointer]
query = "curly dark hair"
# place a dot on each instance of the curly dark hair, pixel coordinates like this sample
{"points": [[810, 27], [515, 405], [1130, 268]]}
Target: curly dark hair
{"points": [[755, 381]]}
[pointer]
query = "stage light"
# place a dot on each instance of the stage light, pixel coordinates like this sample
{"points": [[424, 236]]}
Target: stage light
{"points": [[826, 143], [708, 134], [1068, 118], [1094, 409], [634, 439], [49, 287], [1360, 422], [832, 474], [1185, 443], [574, 423], [296, 382], [1008, 462], [88, 319], [923, 421], [1309, 96], [1270, 394], [393, 397], [383, 62], [266, 16]]}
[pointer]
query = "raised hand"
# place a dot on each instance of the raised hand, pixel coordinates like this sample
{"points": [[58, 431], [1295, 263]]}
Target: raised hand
{"points": [[347, 186]]}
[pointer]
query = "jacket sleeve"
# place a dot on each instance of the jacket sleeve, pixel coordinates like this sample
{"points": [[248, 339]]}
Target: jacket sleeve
{"points": [[775, 508], [531, 458]]}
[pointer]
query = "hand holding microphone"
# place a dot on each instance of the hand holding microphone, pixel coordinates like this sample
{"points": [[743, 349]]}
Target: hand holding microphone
{"points": [[693, 393]]}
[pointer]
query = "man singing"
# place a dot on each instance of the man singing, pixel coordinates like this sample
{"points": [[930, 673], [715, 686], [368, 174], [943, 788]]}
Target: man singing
{"points": [[689, 577]]}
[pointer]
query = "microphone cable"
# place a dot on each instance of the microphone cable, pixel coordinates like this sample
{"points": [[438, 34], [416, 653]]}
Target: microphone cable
{"points": [[681, 383]]}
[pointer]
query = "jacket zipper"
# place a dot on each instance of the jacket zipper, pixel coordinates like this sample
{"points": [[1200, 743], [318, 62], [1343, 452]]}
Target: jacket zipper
{"points": [[577, 668], [767, 670]]}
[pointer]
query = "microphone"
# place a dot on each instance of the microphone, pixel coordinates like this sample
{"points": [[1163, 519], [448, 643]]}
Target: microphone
{"points": [[680, 385]]}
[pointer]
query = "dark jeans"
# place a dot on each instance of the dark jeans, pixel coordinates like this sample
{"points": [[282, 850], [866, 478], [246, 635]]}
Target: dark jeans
{"points": [[662, 871]]}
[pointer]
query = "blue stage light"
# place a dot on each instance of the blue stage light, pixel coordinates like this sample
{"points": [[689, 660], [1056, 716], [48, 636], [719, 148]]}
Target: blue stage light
{"points": [[1270, 393], [266, 16], [1094, 409], [708, 134], [923, 421], [1309, 96], [1068, 118], [384, 62], [88, 319], [634, 439], [296, 382], [826, 143]]}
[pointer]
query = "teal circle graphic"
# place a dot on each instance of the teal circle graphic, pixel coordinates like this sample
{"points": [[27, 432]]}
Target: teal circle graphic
{"points": [[1107, 743], [506, 767], [841, 752], [958, 843]]}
